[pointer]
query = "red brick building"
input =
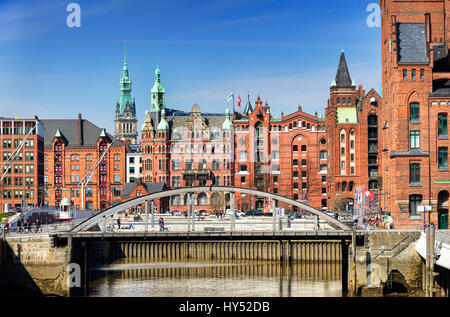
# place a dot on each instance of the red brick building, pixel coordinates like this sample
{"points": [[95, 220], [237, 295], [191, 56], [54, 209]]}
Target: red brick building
{"points": [[286, 156], [352, 127], [24, 179], [415, 109], [72, 148], [183, 149]]}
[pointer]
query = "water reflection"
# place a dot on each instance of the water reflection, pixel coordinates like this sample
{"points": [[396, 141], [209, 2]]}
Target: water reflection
{"points": [[140, 277]]}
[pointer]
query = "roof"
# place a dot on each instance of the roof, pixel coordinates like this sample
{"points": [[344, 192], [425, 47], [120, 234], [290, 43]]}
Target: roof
{"points": [[343, 78], [441, 87], [150, 187], [69, 129], [412, 46], [347, 115]]}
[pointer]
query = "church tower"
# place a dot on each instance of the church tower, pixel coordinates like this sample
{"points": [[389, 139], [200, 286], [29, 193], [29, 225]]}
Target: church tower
{"points": [[157, 99], [126, 122]]}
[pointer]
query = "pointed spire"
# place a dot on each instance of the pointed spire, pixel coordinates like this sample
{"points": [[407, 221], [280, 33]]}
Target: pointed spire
{"points": [[103, 133], [163, 125], [125, 58], [227, 124], [125, 87], [58, 134], [343, 78], [248, 106]]}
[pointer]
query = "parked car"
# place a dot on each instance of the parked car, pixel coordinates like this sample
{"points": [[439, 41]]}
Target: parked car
{"points": [[254, 213], [239, 213]]}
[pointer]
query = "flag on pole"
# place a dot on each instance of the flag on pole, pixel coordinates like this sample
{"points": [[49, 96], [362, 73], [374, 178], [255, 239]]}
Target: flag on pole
{"points": [[239, 101], [230, 96]]}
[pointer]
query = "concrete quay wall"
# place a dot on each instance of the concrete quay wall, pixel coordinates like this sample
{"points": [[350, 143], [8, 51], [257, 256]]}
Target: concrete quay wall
{"points": [[386, 263], [33, 266]]}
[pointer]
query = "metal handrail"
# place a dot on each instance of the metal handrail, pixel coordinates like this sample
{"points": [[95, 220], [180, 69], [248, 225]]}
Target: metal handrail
{"points": [[394, 247]]}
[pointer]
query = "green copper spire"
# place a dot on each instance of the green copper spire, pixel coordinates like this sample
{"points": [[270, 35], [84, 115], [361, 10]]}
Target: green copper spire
{"points": [[163, 125], [125, 88], [157, 93], [227, 124]]}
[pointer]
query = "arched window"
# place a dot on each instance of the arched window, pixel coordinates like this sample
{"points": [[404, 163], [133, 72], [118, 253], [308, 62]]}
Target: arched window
{"points": [[202, 199]]}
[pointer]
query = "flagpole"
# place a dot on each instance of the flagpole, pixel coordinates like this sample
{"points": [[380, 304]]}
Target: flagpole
{"points": [[233, 104]]}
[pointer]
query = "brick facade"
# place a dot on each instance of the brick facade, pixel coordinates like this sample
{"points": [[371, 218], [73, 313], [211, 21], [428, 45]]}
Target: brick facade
{"points": [[416, 99], [72, 149], [24, 180]]}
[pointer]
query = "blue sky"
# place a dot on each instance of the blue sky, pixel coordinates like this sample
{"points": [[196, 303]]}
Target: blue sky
{"points": [[285, 51]]}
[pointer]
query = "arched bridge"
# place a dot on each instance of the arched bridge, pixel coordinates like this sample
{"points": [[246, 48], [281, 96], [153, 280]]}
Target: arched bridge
{"points": [[88, 223]]}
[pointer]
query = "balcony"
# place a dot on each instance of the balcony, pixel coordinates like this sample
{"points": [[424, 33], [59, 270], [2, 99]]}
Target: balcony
{"points": [[196, 171]]}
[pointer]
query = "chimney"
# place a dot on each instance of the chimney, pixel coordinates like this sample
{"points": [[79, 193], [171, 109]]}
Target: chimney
{"points": [[80, 130]]}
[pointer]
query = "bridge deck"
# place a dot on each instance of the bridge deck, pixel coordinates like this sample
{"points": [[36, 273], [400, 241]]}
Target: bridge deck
{"points": [[251, 235]]}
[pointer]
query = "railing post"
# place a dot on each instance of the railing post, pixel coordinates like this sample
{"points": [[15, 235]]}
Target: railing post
{"points": [[193, 212], [232, 211], [146, 216], [274, 217], [153, 216], [188, 212]]}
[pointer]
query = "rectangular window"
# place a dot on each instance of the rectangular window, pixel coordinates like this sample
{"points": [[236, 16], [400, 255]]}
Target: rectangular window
{"points": [[175, 165], [323, 155], [414, 173], [415, 140], [442, 125], [443, 157], [275, 155], [243, 156], [413, 75], [414, 111], [116, 178], [414, 202], [242, 179], [422, 74], [405, 75]]}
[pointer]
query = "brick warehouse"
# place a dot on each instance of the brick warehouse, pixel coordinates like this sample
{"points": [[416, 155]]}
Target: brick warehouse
{"points": [[71, 149], [414, 116], [23, 181], [298, 155]]}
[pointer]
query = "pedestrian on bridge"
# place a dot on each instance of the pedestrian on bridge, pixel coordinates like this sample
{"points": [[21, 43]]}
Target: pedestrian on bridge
{"points": [[161, 224], [118, 222]]}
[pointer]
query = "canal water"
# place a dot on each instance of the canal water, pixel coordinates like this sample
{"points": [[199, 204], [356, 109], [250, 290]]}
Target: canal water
{"points": [[144, 278]]}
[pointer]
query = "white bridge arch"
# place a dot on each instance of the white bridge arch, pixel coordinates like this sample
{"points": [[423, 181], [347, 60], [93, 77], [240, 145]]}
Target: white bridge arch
{"points": [[88, 223]]}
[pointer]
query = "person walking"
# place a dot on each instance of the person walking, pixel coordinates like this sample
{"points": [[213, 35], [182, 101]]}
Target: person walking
{"points": [[161, 224], [118, 222], [38, 226]]}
